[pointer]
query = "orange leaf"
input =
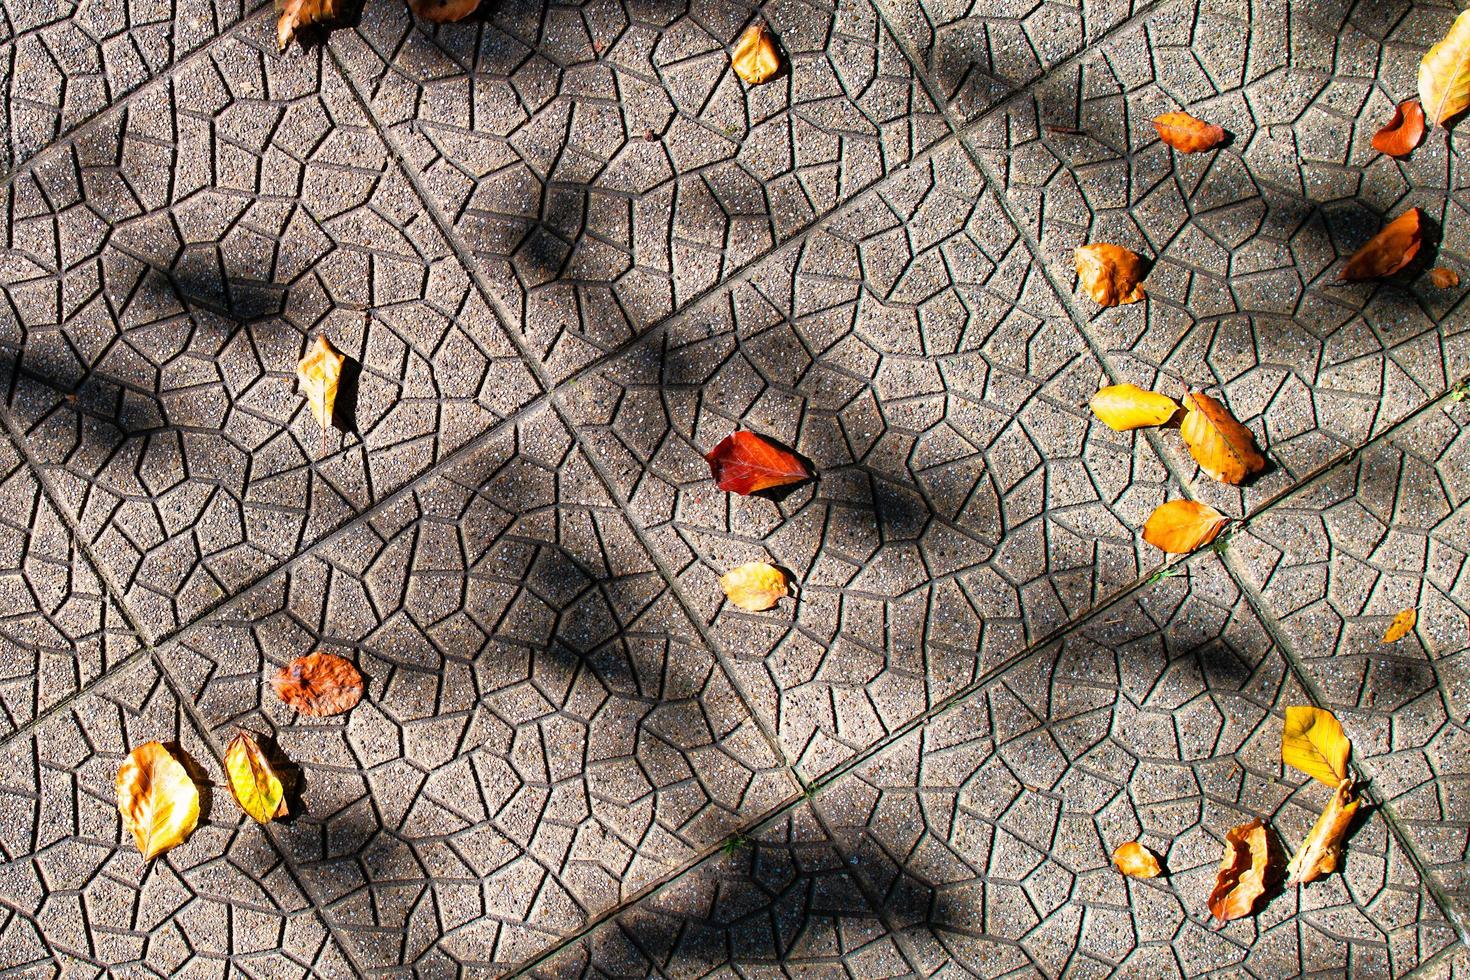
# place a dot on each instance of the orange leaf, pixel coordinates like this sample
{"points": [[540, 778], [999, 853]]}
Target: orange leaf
{"points": [[745, 462], [1444, 278], [1244, 870], [1124, 407], [1187, 134], [755, 58], [1221, 446], [1180, 526], [1388, 251], [319, 684], [296, 14], [157, 800], [1401, 625], [1136, 861], [444, 11], [1322, 849], [755, 586], [1110, 274], [1403, 132]]}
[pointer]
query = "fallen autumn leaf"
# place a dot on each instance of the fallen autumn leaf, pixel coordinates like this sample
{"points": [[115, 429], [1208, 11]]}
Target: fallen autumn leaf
{"points": [[1313, 741], [1187, 134], [1223, 448], [1126, 406], [1136, 861], [755, 586], [1322, 849], [1181, 526], [320, 372], [158, 801], [1444, 278], [755, 58], [253, 781], [296, 14], [319, 684], [1244, 870], [1401, 625], [1110, 274], [1403, 132], [1388, 251], [444, 11], [744, 462], [1444, 73]]}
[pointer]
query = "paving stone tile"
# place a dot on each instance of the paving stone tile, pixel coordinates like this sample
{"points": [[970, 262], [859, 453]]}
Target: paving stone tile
{"points": [[542, 734], [986, 835], [76, 898], [160, 280], [966, 503], [1335, 561], [1247, 241], [604, 163], [781, 904]]}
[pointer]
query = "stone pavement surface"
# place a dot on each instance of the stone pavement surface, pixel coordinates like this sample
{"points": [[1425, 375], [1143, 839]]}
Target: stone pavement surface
{"points": [[568, 252]]}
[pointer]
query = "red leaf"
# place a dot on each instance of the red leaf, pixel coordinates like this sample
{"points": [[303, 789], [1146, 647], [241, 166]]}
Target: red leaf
{"points": [[319, 684], [1403, 132], [745, 462]]}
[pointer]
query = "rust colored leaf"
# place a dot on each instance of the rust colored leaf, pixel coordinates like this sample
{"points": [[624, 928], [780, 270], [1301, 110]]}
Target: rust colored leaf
{"points": [[319, 372], [319, 684], [1388, 251], [1110, 274], [755, 58], [1244, 871], [444, 11], [1124, 407], [296, 14], [158, 801], [1403, 132], [745, 462], [1313, 741], [755, 586], [1444, 278], [1221, 446], [253, 779], [1322, 849], [1187, 134], [1180, 526], [1444, 74], [1402, 624], [1136, 861]]}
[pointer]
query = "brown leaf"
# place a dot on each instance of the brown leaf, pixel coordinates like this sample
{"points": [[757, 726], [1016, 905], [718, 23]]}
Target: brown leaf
{"points": [[319, 684], [1136, 861], [745, 462], [755, 58], [1110, 274], [1322, 849], [1403, 132], [1388, 251], [1444, 278], [1187, 134], [1401, 625], [1221, 446], [755, 586], [158, 801], [296, 14], [1124, 407], [1180, 526], [443, 11], [1244, 872], [1313, 741], [319, 372], [1444, 74], [253, 780]]}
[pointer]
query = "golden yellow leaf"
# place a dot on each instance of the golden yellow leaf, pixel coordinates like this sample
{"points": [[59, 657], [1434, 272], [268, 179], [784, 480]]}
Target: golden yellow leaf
{"points": [[319, 372], [1180, 526], [1244, 870], [1444, 74], [253, 781], [158, 801], [1124, 407], [754, 586], [755, 58], [1322, 849], [1110, 274], [296, 14], [1221, 446], [1314, 742], [1401, 625], [1136, 861]]}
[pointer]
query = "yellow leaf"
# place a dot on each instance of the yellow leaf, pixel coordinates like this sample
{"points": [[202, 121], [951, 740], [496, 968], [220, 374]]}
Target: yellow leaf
{"points": [[1444, 74], [1221, 446], [1180, 526], [319, 372], [1136, 861], [1401, 625], [1124, 407], [1314, 742], [296, 14], [754, 586], [755, 58], [1110, 274], [253, 781], [1244, 870], [158, 801], [1322, 849]]}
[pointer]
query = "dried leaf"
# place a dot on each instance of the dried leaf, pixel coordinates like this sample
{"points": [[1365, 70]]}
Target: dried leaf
{"points": [[1221, 446], [1388, 251], [1403, 132], [158, 801], [1401, 625], [1110, 274], [755, 586], [1180, 526], [1187, 134], [1124, 407], [296, 14], [1444, 74], [1136, 861], [1444, 278], [319, 372], [443, 11], [1322, 849], [1244, 870], [1314, 742], [745, 462], [253, 780], [755, 58], [319, 684]]}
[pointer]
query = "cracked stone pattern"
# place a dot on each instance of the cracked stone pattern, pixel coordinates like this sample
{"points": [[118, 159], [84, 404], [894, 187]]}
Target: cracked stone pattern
{"points": [[542, 733], [966, 503], [76, 897], [1247, 241], [986, 835], [156, 325], [605, 164], [1335, 561]]}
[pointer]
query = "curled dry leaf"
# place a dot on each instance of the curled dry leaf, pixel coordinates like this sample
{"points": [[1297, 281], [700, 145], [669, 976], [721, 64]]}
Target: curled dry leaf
{"points": [[755, 58], [1444, 74], [744, 462], [1180, 526], [1136, 861], [1244, 870], [253, 780], [1403, 132], [1221, 446], [319, 684], [1444, 278], [1388, 251], [1322, 849], [1124, 407], [1314, 742], [296, 14], [1401, 625], [158, 801], [1187, 134], [319, 372], [443, 11], [1110, 274], [755, 586]]}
